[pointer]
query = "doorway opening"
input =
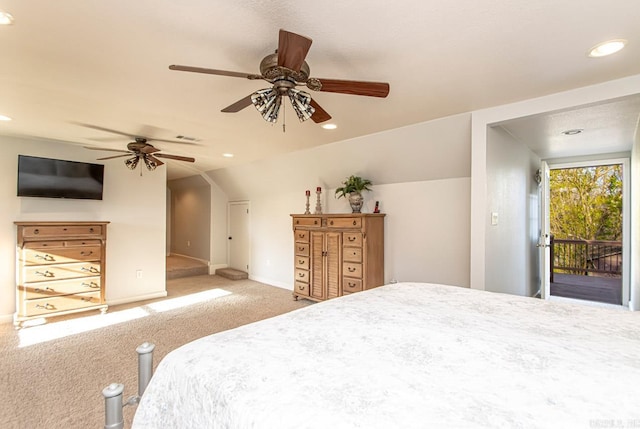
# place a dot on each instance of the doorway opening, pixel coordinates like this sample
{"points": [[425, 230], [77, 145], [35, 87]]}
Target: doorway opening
{"points": [[587, 231]]}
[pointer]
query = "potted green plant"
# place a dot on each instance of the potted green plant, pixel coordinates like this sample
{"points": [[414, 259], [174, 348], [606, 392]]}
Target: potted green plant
{"points": [[352, 190]]}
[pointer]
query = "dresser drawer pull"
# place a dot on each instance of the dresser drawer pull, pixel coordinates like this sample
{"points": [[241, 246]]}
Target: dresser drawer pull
{"points": [[91, 270], [351, 238], [351, 284], [300, 261], [36, 231], [45, 274], [297, 221], [351, 269], [300, 248], [92, 285], [300, 287], [46, 288], [83, 253], [47, 306], [354, 223], [300, 274], [330, 222], [48, 258], [91, 229], [85, 299], [301, 235]]}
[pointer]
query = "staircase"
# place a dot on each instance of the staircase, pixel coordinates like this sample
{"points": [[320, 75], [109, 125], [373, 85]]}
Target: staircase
{"points": [[181, 266], [231, 274]]}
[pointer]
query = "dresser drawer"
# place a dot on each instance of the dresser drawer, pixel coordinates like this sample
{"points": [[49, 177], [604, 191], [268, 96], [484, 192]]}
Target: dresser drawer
{"points": [[302, 276], [301, 236], [302, 262], [352, 269], [61, 230], [61, 303], [352, 254], [59, 255], [302, 288], [61, 272], [302, 249], [307, 221], [351, 285], [56, 288], [345, 222], [353, 239]]}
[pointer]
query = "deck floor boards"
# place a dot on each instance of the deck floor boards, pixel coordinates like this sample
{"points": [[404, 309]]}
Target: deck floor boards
{"points": [[590, 288]]}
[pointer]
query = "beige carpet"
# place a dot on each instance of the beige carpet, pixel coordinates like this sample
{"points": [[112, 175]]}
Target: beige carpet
{"points": [[57, 383]]}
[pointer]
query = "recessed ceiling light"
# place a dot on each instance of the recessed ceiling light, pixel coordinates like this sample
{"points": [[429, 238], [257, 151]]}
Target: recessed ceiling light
{"points": [[329, 126], [4, 118], [572, 132], [5, 18], [607, 48], [227, 155]]}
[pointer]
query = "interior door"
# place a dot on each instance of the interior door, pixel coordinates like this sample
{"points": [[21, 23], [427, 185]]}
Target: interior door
{"points": [[238, 243], [544, 240]]}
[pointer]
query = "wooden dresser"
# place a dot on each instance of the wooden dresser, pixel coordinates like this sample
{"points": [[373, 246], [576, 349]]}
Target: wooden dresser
{"points": [[60, 268], [337, 254]]}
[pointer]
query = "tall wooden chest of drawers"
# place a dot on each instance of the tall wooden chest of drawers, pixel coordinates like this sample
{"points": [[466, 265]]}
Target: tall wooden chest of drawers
{"points": [[337, 254], [60, 268]]}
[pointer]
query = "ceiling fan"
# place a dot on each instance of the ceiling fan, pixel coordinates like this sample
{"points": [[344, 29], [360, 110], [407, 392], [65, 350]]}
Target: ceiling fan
{"points": [[285, 70], [138, 150]]}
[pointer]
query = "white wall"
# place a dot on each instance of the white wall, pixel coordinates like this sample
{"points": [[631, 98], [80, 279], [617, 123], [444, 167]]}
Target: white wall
{"points": [[421, 178], [512, 193], [134, 204], [190, 217]]}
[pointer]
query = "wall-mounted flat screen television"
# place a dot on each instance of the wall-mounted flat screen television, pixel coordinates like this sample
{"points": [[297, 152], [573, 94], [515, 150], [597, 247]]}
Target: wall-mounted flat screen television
{"points": [[57, 178]]}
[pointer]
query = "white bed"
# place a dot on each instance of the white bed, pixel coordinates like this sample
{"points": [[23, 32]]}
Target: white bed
{"points": [[408, 355]]}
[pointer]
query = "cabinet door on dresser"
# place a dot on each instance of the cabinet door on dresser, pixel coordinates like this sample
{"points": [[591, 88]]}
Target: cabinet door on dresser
{"points": [[325, 264]]}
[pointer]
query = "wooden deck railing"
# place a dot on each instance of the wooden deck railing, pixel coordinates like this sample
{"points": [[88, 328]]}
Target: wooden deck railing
{"points": [[585, 257]]}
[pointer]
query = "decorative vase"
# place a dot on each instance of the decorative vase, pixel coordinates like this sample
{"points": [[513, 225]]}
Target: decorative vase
{"points": [[356, 201]]}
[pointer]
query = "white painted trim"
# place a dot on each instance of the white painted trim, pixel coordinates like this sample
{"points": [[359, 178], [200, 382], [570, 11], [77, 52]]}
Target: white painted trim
{"points": [[204, 261], [137, 298], [6, 318], [482, 119], [271, 282], [229, 204], [213, 268]]}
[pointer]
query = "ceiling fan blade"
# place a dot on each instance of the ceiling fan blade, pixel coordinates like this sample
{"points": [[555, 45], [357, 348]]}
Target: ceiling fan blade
{"points": [[214, 71], [176, 157], [108, 130], [238, 105], [371, 89], [154, 159], [292, 49], [116, 156], [148, 149], [104, 148], [320, 115]]}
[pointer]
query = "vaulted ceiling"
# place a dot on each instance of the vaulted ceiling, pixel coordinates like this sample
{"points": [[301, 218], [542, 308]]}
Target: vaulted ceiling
{"points": [[72, 70]]}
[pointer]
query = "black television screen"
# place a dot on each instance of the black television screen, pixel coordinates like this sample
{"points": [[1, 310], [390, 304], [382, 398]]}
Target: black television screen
{"points": [[56, 178]]}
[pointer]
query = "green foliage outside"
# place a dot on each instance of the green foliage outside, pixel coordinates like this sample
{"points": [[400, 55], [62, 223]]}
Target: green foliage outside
{"points": [[586, 203]]}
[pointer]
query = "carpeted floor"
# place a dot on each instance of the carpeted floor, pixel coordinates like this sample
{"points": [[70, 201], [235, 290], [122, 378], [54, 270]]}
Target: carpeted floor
{"points": [[52, 376]]}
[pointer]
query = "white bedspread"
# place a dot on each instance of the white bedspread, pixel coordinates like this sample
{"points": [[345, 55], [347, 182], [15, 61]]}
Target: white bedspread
{"points": [[409, 355]]}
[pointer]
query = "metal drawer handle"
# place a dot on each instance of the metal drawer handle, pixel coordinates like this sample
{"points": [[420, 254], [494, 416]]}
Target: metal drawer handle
{"points": [[301, 235], [351, 238], [300, 287], [352, 284], [90, 229], [351, 269], [86, 299], [91, 269], [300, 274], [330, 222], [92, 285], [315, 222], [47, 306], [46, 288], [83, 253], [45, 274], [47, 258], [354, 223], [36, 231], [301, 248], [300, 261]]}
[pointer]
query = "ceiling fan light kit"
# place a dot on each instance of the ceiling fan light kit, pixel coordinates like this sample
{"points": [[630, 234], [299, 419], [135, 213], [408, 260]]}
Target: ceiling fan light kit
{"points": [[285, 70]]}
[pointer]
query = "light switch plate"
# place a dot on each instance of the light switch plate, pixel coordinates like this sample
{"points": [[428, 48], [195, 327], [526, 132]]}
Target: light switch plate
{"points": [[494, 218]]}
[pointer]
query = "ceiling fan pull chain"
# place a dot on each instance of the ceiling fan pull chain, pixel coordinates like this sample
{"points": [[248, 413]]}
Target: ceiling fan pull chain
{"points": [[284, 119]]}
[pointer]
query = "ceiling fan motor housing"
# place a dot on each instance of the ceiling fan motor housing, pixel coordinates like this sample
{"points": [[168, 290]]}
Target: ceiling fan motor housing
{"points": [[270, 70]]}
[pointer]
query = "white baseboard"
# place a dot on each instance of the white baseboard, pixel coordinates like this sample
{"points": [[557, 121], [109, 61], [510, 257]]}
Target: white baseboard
{"points": [[271, 282], [204, 261], [213, 268], [137, 298], [6, 318]]}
